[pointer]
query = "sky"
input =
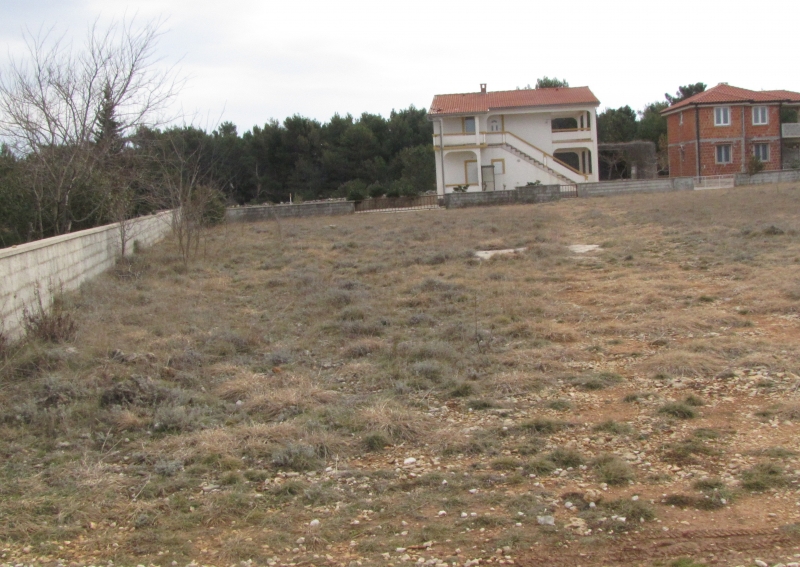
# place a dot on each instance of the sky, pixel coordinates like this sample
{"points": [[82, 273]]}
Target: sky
{"points": [[251, 61]]}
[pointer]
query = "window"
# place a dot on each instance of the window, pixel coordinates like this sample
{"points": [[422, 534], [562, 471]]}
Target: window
{"points": [[471, 172], [469, 125], [494, 125], [761, 151], [760, 115], [722, 116], [724, 153], [680, 122], [499, 166]]}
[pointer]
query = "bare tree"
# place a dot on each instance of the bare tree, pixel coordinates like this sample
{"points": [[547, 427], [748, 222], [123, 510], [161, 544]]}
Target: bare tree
{"points": [[182, 182], [59, 105]]}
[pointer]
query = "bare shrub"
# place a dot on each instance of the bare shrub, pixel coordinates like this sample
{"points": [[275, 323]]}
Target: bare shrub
{"points": [[362, 348], [55, 325], [396, 422], [296, 457], [177, 419], [683, 363]]}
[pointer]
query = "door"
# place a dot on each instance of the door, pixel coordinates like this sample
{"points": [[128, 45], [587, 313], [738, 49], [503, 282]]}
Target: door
{"points": [[487, 172]]}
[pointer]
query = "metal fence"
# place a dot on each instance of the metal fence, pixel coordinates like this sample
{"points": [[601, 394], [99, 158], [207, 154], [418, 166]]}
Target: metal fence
{"points": [[715, 182], [388, 204], [569, 190]]}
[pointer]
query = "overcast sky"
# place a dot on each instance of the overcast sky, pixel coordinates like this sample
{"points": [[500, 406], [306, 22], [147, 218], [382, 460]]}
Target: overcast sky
{"points": [[249, 61]]}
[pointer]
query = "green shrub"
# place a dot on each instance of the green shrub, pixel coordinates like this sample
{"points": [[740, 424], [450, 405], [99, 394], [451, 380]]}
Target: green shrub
{"points": [[354, 190], [376, 190], [401, 188], [754, 165]]}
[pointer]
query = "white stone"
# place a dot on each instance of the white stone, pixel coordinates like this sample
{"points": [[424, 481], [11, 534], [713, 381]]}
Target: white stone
{"points": [[583, 248], [546, 520], [486, 254]]}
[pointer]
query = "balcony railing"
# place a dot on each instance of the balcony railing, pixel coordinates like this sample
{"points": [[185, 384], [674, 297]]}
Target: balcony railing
{"points": [[572, 134], [791, 130]]}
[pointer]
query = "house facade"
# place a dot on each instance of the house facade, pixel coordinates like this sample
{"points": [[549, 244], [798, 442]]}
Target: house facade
{"points": [[717, 131], [491, 141]]}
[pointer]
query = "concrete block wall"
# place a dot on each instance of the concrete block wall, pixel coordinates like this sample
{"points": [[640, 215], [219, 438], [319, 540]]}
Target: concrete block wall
{"points": [[538, 194], [624, 186], [269, 212], [534, 194], [784, 176], [65, 262]]}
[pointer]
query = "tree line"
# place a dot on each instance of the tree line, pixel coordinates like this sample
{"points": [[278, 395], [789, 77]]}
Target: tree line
{"points": [[86, 142]]}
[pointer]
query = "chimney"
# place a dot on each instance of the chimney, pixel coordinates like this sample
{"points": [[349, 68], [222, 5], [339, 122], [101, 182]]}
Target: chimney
{"points": [[483, 88]]}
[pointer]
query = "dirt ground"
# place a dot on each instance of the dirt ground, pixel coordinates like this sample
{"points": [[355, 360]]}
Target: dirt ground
{"points": [[363, 390]]}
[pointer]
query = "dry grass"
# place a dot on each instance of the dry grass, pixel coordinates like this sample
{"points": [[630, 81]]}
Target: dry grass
{"points": [[291, 375]]}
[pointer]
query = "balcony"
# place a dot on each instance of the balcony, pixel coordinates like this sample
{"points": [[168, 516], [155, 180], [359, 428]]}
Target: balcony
{"points": [[459, 140], [791, 130], [572, 135]]}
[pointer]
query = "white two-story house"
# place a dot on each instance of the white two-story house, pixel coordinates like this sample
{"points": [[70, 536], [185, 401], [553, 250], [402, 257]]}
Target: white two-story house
{"points": [[491, 141]]}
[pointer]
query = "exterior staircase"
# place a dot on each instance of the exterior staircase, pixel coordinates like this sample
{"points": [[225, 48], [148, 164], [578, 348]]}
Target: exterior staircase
{"points": [[520, 154]]}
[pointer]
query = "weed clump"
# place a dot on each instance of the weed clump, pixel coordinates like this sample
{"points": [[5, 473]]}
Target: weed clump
{"points": [[763, 476], [679, 410], [541, 466], [614, 427], [595, 382], [296, 457], [566, 458], [560, 405], [545, 426], [612, 470], [375, 442]]}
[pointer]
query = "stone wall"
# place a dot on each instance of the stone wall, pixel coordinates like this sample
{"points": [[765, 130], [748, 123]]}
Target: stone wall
{"points": [[65, 262], [270, 212]]}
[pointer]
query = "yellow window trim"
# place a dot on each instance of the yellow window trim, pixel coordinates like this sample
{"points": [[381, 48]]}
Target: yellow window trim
{"points": [[500, 160], [464, 124]]}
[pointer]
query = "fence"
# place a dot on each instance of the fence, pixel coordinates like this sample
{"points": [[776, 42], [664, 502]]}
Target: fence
{"points": [[715, 182], [389, 204], [568, 191]]}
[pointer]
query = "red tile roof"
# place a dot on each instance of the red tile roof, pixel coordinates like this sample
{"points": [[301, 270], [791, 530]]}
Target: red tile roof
{"points": [[723, 93], [522, 98]]}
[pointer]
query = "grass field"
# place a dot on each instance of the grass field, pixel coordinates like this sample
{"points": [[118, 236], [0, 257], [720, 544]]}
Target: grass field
{"points": [[362, 390]]}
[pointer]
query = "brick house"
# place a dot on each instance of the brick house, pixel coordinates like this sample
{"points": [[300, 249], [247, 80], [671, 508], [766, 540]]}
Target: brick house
{"points": [[715, 132]]}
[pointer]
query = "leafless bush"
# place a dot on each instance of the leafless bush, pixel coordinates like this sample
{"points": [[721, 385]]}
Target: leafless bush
{"points": [[54, 324]]}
